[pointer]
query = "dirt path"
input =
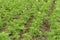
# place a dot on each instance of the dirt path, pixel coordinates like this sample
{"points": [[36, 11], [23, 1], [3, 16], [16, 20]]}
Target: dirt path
{"points": [[27, 26], [28, 23], [46, 26]]}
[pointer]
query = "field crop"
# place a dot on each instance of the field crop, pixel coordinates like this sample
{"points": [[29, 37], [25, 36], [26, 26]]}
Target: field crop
{"points": [[29, 19]]}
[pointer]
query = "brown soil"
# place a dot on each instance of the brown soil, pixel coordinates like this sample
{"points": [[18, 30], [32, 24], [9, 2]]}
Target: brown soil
{"points": [[46, 26]]}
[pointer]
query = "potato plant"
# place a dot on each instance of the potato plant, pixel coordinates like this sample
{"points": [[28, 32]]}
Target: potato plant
{"points": [[29, 19]]}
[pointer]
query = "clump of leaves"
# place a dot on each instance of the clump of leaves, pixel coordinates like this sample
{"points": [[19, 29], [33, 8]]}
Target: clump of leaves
{"points": [[4, 36]]}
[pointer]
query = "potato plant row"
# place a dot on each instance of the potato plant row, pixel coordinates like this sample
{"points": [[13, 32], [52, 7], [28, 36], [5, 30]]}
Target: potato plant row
{"points": [[24, 19]]}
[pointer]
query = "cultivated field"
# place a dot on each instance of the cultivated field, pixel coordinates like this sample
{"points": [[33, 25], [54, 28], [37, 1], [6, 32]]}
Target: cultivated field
{"points": [[29, 19]]}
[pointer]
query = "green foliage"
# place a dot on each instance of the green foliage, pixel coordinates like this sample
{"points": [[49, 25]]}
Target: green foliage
{"points": [[4, 36], [14, 14], [1, 23]]}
